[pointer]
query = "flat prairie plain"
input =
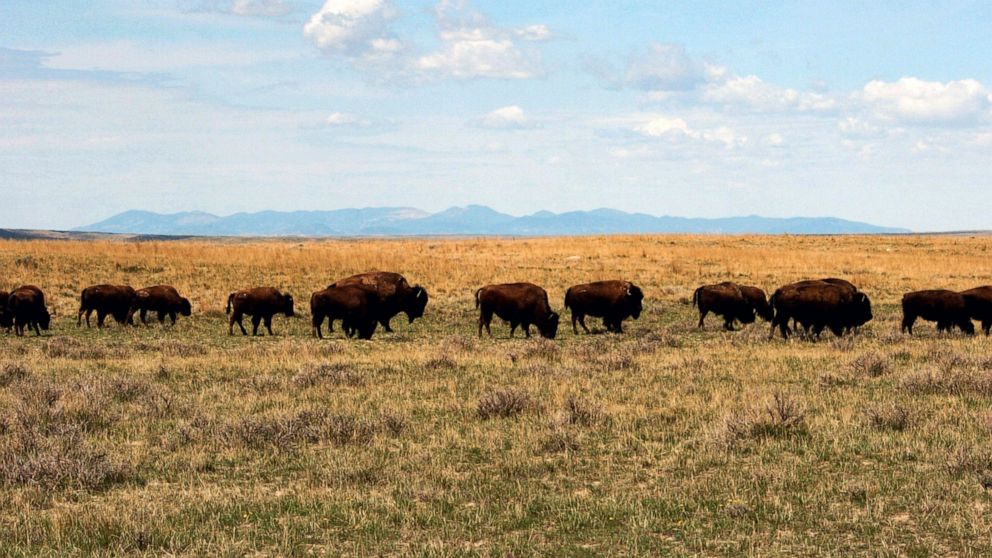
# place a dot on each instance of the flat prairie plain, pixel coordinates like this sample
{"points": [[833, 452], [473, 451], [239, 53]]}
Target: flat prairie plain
{"points": [[666, 440]]}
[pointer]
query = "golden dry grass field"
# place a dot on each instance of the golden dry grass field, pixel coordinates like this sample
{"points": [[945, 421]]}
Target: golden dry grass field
{"points": [[666, 440]]}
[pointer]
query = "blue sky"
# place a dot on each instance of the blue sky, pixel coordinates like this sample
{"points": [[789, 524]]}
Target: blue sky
{"points": [[879, 111]]}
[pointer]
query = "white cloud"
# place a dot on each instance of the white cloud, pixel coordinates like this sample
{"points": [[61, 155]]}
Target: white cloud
{"points": [[538, 32], [858, 128], [133, 56], [354, 29], [751, 92], [259, 8], [916, 101], [665, 67], [341, 119], [507, 118], [471, 47], [775, 140], [676, 129]]}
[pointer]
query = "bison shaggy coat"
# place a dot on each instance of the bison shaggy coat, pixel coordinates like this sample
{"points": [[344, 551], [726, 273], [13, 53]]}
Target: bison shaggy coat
{"points": [[520, 304], [6, 320], [356, 306], [732, 301], [979, 303], [394, 292], [947, 308], [26, 306], [819, 304], [162, 299], [261, 303], [114, 300], [614, 301]]}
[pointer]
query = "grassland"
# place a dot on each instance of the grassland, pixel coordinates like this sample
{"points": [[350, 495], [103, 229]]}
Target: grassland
{"points": [[429, 441]]}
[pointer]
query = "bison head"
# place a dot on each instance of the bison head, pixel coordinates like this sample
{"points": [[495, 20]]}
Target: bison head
{"points": [[287, 305], [6, 320], [184, 307], [44, 319], [635, 298], [549, 326], [862, 310], [416, 303]]}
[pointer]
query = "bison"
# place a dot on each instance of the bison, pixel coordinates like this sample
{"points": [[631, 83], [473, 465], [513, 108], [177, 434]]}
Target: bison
{"points": [[395, 295], [979, 303], [26, 306], [6, 320], [520, 304], [732, 301], [819, 305], [163, 299], [261, 303], [614, 301], [114, 300], [357, 307], [947, 308], [843, 283]]}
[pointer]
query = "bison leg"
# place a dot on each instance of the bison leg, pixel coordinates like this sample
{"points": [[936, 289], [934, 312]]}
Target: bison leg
{"points": [[526, 327], [702, 316], [575, 320], [907, 322], [144, 316], [268, 324], [728, 322], [618, 325], [986, 326], [966, 326], [582, 322], [37, 330], [255, 321], [385, 325], [101, 316], [485, 319]]}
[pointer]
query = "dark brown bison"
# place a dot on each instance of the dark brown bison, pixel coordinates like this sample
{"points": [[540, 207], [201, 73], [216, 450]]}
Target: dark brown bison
{"points": [[395, 295], [114, 300], [614, 301], [6, 320], [732, 301], [261, 303], [819, 305], [979, 303], [947, 308], [520, 304], [833, 281], [163, 299], [356, 306], [26, 306]]}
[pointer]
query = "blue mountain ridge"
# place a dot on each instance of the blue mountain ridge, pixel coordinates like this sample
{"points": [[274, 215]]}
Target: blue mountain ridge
{"points": [[468, 220]]}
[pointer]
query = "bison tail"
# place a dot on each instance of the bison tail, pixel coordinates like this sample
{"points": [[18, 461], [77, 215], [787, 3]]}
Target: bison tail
{"points": [[230, 300], [568, 298], [477, 301], [695, 296]]}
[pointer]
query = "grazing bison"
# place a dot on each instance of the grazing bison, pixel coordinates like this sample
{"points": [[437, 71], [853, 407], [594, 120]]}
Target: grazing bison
{"points": [[260, 303], [520, 304], [26, 306], [163, 299], [6, 320], [947, 308], [979, 303], [395, 295], [614, 301], [733, 302], [819, 305], [833, 281], [114, 300], [356, 306]]}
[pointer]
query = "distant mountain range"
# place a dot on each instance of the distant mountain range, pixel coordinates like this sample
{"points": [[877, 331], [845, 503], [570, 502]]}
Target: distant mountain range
{"points": [[470, 220]]}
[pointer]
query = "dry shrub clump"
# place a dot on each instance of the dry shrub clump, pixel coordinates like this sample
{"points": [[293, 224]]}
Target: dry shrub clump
{"points": [[581, 412], [780, 417], [289, 433], [441, 361], [928, 382], [559, 439], [46, 440], [337, 373], [890, 417], [11, 372], [503, 403], [72, 348], [872, 365]]}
